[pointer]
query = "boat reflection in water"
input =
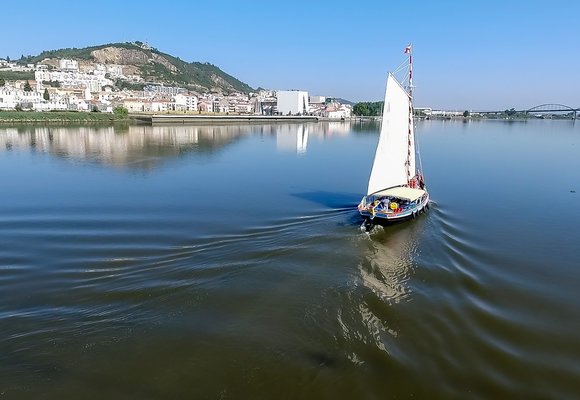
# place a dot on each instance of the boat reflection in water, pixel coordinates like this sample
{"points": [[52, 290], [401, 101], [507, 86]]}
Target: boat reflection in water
{"points": [[389, 260], [386, 265]]}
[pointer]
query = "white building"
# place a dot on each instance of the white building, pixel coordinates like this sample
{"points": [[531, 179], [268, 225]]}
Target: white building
{"points": [[337, 111], [114, 70], [68, 65], [425, 110], [292, 102], [136, 105], [94, 81], [8, 98], [244, 108], [223, 106], [205, 105], [169, 90], [317, 99], [52, 104], [445, 113], [185, 102], [160, 106], [16, 67]]}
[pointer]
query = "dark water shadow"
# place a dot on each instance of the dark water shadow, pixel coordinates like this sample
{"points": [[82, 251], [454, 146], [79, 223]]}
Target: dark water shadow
{"points": [[337, 201]]}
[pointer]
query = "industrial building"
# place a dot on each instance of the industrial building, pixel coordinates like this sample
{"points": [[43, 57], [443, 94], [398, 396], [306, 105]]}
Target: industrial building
{"points": [[292, 102]]}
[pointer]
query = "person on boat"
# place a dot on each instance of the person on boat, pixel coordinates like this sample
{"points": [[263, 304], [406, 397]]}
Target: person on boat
{"points": [[421, 181]]}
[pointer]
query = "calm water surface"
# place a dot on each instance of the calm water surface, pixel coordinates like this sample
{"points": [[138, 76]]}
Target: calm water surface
{"points": [[226, 262]]}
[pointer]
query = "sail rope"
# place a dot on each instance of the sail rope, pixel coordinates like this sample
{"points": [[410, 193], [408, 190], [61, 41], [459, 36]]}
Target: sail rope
{"points": [[418, 153], [411, 122], [403, 67]]}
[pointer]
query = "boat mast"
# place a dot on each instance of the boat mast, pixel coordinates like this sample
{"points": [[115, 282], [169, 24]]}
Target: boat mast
{"points": [[409, 50]]}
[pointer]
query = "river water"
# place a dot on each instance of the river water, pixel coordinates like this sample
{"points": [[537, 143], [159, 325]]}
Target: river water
{"points": [[226, 262]]}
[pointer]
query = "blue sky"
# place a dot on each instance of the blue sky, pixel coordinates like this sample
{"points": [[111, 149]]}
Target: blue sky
{"points": [[467, 54]]}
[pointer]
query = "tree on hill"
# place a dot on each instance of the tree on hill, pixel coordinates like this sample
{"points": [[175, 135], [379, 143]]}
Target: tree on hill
{"points": [[46, 96], [27, 87], [8, 58], [466, 114], [2, 82]]}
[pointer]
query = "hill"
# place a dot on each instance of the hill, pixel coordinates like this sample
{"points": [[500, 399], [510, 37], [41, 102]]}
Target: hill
{"points": [[151, 64], [344, 101]]}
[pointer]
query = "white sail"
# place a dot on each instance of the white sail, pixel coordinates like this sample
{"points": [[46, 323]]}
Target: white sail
{"points": [[395, 156]]}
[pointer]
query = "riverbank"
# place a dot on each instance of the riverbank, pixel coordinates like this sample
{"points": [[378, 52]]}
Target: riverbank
{"points": [[218, 119], [10, 117]]}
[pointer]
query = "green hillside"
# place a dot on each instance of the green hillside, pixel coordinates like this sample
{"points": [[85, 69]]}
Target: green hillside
{"points": [[193, 75], [16, 75], [74, 53]]}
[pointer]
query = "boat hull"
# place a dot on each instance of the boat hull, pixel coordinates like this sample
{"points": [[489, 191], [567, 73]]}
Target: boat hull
{"points": [[388, 218]]}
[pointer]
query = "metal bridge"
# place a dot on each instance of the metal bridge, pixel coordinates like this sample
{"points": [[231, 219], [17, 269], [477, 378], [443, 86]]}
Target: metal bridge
{"points": [[552, 108], [541, 109]]}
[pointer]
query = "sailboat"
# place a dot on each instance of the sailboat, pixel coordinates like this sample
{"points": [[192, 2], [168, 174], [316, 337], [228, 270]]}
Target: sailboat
{"points": [[396, 189]]}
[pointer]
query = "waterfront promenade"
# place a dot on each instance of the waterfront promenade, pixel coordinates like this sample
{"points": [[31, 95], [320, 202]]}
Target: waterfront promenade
{"points": [[219, 119]]}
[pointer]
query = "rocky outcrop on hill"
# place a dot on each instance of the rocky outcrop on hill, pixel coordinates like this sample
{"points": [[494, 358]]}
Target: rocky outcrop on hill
{"points": [[163, 61], [116, 55], [122, 56]]}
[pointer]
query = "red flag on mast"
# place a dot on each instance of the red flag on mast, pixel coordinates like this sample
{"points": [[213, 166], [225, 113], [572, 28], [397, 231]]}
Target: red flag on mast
{"points": [[408, 49]]}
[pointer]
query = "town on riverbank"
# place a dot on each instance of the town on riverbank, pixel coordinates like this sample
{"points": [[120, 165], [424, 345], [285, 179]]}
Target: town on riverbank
{"points": [[77, 90], [97, 90]]}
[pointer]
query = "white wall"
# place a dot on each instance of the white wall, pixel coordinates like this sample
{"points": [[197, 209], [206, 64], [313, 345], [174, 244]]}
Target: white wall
{"points": [[292, 102]]}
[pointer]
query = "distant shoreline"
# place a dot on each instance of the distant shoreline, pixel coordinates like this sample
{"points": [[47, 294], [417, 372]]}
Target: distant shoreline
{"points": [[75, 117]]}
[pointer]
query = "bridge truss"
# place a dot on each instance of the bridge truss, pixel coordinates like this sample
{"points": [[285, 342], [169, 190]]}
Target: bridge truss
{"points": [[552, 108]]}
